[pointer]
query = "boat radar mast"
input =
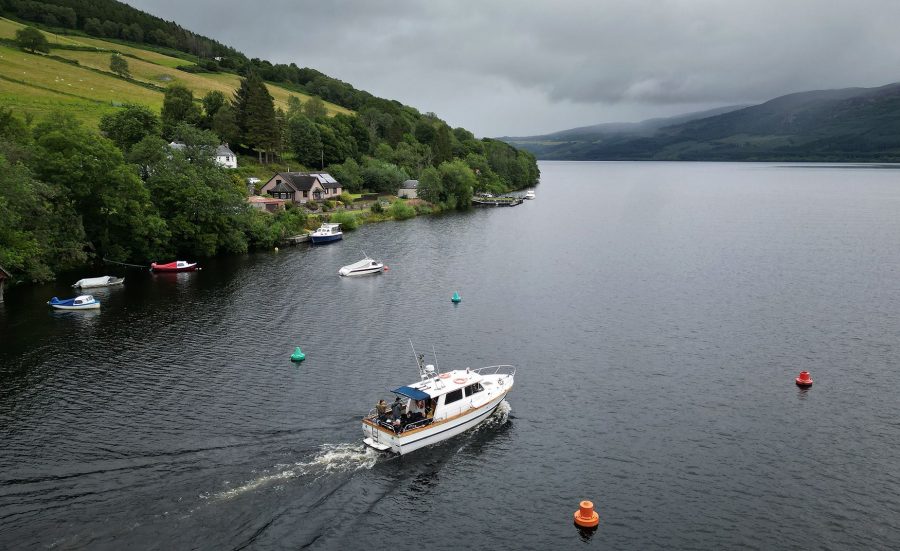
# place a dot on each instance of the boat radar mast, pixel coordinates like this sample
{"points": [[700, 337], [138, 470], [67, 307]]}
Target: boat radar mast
{"points": [[426, 371]]}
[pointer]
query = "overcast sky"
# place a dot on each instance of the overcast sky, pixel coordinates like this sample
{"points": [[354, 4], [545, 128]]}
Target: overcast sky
{"points": [[537, 66]]}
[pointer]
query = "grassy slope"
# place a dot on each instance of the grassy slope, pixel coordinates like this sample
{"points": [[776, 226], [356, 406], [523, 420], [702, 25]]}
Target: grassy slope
{"points": [[38, 84]]}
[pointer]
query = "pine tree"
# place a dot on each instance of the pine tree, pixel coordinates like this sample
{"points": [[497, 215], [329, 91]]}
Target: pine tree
{"points": [[256, 115]]}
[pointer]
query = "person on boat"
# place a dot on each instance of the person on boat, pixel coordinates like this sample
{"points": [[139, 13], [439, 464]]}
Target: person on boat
{"points": [[381, 409], [397, 409], [417, 411]]}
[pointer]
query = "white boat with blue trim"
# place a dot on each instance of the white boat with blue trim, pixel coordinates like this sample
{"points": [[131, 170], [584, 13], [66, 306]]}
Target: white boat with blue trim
{"points": [[327, 233], [438, 407], [82, 302]]}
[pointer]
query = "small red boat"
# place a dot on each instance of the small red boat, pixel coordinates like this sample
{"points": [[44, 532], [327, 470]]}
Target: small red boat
{"points": [[177, 266]]}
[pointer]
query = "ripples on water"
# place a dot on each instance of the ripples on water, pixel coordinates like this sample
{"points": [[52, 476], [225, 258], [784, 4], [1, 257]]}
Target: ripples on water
{"points": [[657, 314]]}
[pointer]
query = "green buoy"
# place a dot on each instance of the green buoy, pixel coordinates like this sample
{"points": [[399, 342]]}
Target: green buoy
{"points": [[298, 355], [456, 297]]}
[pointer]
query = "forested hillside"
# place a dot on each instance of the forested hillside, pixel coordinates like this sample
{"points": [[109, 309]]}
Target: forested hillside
{"points": [[852, 124], [92, 92]]}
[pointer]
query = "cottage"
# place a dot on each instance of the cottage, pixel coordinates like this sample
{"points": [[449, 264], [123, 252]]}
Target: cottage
{"points": [[226, 157], [4, 275], [266, 204], [302, 187], [409, 189], [223, 155]]}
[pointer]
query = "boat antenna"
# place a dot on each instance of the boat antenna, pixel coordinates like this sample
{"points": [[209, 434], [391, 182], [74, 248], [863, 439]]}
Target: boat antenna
{"points": [[420, 363]]}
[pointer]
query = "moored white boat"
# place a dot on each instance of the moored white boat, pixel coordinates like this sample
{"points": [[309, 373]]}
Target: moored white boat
{"points": [[326, 233], [363, 267], [529, 194], [438, 407], [81, 302], [103, 281]]}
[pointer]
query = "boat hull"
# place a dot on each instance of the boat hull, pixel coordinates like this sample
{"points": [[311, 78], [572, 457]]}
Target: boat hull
{"points": [[91, 282], [363, 271], [92, 306], [325, 238], [382, 439], [168, 268]]}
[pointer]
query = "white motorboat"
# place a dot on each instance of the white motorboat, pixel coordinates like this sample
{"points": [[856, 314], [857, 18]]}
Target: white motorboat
{"points": [[327, 233], [438, 407], [103, 281], [81, 302], [529, 194], [363, 267]]}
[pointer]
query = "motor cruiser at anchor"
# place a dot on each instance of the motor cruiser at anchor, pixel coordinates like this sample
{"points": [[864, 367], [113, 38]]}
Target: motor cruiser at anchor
{"points": [[327, 233], [438, 407], [363, 267]]}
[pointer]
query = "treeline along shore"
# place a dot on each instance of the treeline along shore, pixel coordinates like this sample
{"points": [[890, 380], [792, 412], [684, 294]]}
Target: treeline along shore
{"points": [[135, 179]]}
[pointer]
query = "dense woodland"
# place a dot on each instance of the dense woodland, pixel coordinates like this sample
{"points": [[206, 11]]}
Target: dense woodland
{"points": [[71, 194]]}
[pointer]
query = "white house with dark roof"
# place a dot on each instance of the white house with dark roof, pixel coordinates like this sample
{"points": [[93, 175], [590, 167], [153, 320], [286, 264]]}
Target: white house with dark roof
{"points": [[302, 187], [409, 189], [225, 156]]}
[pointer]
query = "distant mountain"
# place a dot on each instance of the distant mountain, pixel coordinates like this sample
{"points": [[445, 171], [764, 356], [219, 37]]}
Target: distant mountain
{"points": [[559, 144], [851, 124]]}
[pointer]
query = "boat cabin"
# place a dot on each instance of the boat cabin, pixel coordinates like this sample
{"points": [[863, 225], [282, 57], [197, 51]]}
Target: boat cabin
{"points": [[440, 398]]}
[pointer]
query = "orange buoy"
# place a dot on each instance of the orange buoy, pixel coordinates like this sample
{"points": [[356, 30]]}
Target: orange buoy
{"points": [[459, 381], [804, 380], [586, 516], [386, 269], [444, 375]]}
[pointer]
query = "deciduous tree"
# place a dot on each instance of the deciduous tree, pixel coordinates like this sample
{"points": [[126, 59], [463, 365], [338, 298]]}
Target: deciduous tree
{"points": [[178, 107], [32, 40], [119, 65], [129, 125]]}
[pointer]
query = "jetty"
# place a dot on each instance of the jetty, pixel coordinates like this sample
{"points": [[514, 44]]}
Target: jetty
{"points": [[295, 239]]}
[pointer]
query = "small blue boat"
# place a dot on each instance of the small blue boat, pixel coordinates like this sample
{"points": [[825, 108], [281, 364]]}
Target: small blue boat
{"points": [[81, 302], [326, 233]]}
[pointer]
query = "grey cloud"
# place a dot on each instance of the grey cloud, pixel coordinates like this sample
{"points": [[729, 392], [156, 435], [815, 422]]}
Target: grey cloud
{"points": [[578, 59]]}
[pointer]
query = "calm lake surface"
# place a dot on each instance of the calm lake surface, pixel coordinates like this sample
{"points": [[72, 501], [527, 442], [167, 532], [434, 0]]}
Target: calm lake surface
{"points": [[657, 314]]}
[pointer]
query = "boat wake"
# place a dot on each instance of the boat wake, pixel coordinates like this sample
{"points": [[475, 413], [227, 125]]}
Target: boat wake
{"points": [[330, 459], [496, 419]]}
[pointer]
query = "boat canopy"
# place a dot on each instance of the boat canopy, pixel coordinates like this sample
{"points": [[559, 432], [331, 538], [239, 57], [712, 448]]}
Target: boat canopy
{"points": [[411, 392]]}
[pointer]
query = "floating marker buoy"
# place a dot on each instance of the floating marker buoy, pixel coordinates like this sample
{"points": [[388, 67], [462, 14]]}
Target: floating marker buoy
{"points": [[585, 516], [276, 249], [456, 297], [386, 268], [804, 380], [298, 355]]}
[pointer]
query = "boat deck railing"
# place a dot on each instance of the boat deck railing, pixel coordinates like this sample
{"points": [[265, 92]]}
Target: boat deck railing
{"points": [[507, 370], [388, 423]]}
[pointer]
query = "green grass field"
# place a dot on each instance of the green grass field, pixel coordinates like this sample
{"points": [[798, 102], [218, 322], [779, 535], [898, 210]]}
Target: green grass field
{"points": [[38, 85]]}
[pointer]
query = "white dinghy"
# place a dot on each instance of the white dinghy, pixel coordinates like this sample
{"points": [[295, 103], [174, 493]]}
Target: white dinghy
{"points": [[103, 281], [438, 407]]}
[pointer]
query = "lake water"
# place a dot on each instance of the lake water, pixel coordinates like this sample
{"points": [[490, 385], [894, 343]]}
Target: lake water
{"points": [[657, 314]]}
